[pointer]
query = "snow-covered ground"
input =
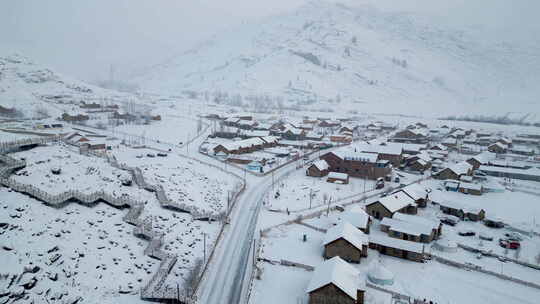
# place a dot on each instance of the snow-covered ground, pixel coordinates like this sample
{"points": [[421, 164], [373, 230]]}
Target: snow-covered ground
{"points": [[184, 180], [431, 280], [98, 255]]}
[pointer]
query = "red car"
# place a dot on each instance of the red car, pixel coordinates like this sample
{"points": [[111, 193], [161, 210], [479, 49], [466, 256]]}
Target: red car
{"points": [[509, 244]]}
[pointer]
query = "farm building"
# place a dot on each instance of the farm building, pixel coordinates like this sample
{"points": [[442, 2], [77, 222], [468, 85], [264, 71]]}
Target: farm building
{"points": [[497, 148], [435, 225], [494, 222], [317, 169], [345, 241], [420, 165], [461, 211], [74, 118], [386, 151], [339, 178], [246, 145], [358, 218], [470, 188], [398, 248], [418, 193], [357, 164], [336, 282], [532, 174], [406, 231], [389, 205], [455, 171]]}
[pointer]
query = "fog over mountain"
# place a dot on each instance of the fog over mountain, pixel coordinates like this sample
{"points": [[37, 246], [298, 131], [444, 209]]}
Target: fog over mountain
{"points": [[479, 54]]}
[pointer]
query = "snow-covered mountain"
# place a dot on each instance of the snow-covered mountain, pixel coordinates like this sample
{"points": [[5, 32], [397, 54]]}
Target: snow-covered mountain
{"points": [[27, 86], [364, 59]]}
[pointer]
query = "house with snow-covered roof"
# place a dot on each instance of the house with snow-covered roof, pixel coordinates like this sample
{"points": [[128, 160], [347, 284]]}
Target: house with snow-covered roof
{"points": [[319, 168], [417, 192], [455, 171], [408, 250], [345, 241], [357, 164], [357, 217], [335, 281], [389, 205]]}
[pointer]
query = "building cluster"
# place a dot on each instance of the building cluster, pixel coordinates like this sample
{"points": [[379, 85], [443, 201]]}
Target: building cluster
{"points": [[406, 235]]}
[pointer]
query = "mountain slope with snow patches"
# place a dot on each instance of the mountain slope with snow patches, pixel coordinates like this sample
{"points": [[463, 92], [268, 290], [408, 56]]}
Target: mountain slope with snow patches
{"points": [[365, 59]]}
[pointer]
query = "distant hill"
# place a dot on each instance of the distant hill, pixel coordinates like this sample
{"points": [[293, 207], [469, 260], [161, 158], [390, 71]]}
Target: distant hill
{"points": [[331, 56]]}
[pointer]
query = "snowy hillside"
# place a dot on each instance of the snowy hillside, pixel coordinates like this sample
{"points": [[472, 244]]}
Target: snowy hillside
{"points": [[25, 85], [364, 58]]}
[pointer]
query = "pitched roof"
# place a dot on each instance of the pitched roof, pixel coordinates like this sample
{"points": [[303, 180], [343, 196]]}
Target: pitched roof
{"points": [[357, 217], [406, 227], [347, 232], [417, 220], [321, 164], [395, 201], [337, 272], [396, 243]]}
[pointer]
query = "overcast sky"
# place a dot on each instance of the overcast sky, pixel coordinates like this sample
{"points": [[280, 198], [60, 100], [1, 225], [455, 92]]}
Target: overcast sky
{"points": [[82, 38]]}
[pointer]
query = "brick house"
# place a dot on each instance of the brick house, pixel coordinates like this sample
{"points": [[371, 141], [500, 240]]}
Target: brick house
{"points": [[336, 282], [345, 241]]}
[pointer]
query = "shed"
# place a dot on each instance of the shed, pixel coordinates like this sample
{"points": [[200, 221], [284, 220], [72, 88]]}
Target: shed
{"points": [[337, 177]]}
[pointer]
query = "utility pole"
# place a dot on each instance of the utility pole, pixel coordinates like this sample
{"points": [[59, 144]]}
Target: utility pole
{"points": [[310, 196], [204, 247], [254, 240]]}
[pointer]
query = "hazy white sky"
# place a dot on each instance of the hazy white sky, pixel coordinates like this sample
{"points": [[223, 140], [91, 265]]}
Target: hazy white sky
{"points": [[82, 38]]}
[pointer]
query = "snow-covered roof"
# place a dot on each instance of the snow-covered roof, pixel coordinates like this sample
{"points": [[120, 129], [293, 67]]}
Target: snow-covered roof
{"points": [[321, 165], [530, 172], [395, 201], [337, 175], [360, 156], [348, 232], [255, 133], [338, 272], [396, 243], [416, 219], [470, 186], [460, 168], [406, 227], [390, 149], [357, 217], [414, 191], [458, 206]]}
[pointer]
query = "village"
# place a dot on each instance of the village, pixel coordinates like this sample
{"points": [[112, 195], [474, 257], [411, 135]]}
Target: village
{"points": [[356, 210]]}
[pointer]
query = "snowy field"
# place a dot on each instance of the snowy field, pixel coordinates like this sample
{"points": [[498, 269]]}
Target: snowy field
{"points": [[171, 129], [79, 172], [293, 192], [80, 251], [184, 180]]}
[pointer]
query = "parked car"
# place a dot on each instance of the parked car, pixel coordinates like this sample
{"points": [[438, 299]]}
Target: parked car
{"points": [[467, 233], [380, 183], [485, 237], [514, 236], [396, 179], [384, 194], [509, 244], [162, 154], [150, 155], [139, 156], [448, 221]]}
